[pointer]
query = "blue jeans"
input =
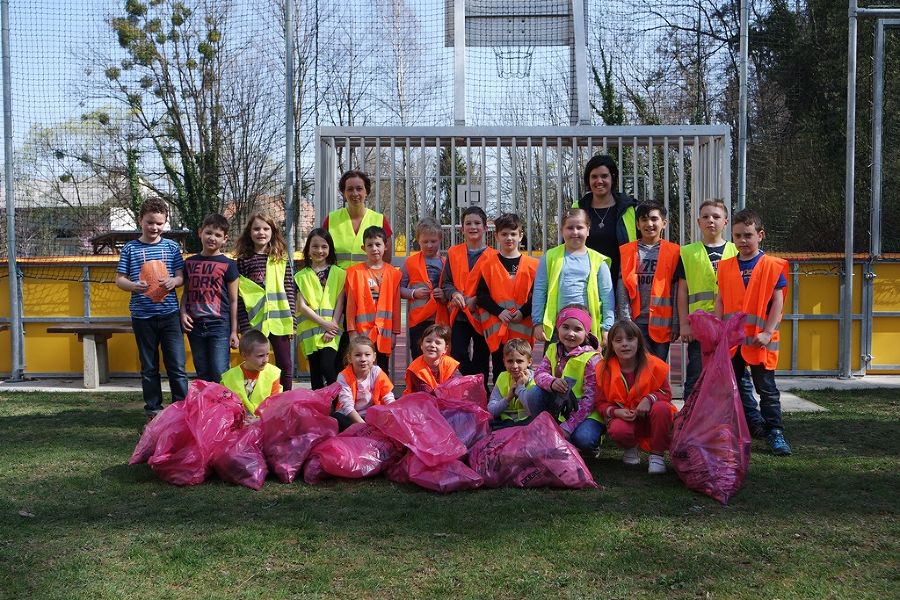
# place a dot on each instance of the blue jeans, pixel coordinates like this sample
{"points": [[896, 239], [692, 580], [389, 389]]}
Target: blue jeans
{"points": [[586, 435], [658, 349], [163, 331], [209, 346], [695, 366], [768, 414]]}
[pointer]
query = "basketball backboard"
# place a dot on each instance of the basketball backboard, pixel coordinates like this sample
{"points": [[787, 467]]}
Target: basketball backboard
{"points": [[498, 23]]}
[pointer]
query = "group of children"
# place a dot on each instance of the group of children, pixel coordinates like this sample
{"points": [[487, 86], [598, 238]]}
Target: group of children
{"points": [[480, 310]]}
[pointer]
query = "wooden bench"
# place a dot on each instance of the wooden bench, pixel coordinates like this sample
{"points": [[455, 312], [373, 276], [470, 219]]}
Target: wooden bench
{"points": [[93, 336]]}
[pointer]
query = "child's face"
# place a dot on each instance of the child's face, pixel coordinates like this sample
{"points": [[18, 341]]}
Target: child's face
{"points": [[747, 239], [473, 229], [361, 359], [712, 221], [213, 239], [152, 224], [574, 232], [624, 346], [261, 234], [433, 348], [318, 250], [257, 358], [430, 244], [516, 363], [355, 191], [509, 240], [374, 248], [600, 180], [572, 333], [652, 226]]}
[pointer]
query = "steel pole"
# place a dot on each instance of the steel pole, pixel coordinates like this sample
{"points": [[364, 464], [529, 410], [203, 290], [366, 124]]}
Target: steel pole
{"points": [[846, 325], [289, 161], [877, 142], [742, 106]]}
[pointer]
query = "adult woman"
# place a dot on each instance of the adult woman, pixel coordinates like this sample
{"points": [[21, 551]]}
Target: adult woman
{"points": [[611, 212], [346, 225]]}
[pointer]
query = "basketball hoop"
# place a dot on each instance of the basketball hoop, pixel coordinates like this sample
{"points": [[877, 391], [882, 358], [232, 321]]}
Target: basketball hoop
{"points": [[514, 63]]}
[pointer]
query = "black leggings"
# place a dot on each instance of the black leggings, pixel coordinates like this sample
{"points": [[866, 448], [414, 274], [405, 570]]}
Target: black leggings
{"points": [[462, 337], [322, 368]]}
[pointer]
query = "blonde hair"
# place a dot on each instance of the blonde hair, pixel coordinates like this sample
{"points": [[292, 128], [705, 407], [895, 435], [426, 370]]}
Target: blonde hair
{"points": [[573, 213], [428, 225], [276, 248], [517, 345], [358, 340]]}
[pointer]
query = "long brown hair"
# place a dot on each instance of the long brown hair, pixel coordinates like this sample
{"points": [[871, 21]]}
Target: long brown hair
{"points": [[276, 248], [630, 329]]}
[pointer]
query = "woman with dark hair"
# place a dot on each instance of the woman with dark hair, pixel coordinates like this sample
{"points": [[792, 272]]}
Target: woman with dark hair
{"points": [[611, 212], [346, 225]]}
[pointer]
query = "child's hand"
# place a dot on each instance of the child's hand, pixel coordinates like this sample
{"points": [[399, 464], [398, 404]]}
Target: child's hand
{"points": [[332, 328], [516, 315], [234, 340], [420, 293], [140, 286], [686, 335], [505, 315], [762, 339], [624, 414], [187, 323], [539, 333], [458, 300], [559, 386], [643, 407], [604, 338], [438, 294], [523, 379], [168, 283]]}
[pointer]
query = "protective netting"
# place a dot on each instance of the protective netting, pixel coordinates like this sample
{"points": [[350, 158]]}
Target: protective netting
{"points": [[115, 101]]}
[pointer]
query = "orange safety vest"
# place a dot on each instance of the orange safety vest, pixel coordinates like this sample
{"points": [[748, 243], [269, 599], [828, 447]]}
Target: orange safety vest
{"points": [[661, 304], [383, 385], [446, 367], [611, 382], [423, 309], [374, 321], [463, 280], [509, 293], [754, 301]]}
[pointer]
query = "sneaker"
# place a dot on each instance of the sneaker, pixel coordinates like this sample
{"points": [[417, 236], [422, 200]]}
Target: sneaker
{"points": [[777, 443], [757, 431], [631, 456], [657, 465]]}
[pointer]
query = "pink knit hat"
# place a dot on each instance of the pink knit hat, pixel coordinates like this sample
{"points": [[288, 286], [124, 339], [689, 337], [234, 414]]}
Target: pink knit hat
{"points": [[574, 312]]}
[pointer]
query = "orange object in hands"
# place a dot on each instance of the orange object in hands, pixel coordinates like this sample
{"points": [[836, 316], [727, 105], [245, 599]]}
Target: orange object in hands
{"points": [[153, 271]]}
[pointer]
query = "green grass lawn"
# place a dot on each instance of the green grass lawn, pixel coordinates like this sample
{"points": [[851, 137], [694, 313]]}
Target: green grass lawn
{"points": [[77, 522]]}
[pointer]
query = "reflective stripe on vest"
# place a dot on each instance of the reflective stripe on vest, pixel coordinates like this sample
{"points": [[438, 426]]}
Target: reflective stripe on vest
{"points": [[754, 301], [555, 258], [509, 293], [515, 410], [233, 379], [423, 309], [375, 322], [322, 301], [464, 280], [660, 313], [348, 243], [574, 368], [268, 309], [700, 275]]}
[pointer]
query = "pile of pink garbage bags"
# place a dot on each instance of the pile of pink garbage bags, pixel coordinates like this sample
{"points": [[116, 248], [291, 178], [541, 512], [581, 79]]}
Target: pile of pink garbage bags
{"points": [[441, 442]]}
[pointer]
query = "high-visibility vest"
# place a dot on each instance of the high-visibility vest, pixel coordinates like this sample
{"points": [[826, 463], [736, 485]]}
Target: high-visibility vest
{"points": [[322, 301], [464, 280], [374, 321], [611, 383], [382, 387], [516, 409], [268, 308], [574, 368], [348, 244], [754, 301], [509, 293], [233, 379], [423, 309], [626, 219], [700, 275], [555, 259], [661, 303], [446, 367]]}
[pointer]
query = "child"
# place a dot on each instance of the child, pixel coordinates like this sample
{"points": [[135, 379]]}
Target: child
{"points": [[650, 265], [572, 274], [254, 379], [459, 281], [634, 396], [506, 403], [433, 367], [266, 286], [373, 297], [363, 383], [320, 304], [565, 379], [209, 303], [753, 282], [505, 284], [420, 279], [154, 305]]}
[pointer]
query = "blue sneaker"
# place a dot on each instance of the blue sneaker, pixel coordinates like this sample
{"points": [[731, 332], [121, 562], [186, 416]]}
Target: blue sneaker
{"points": [[777, 443]]}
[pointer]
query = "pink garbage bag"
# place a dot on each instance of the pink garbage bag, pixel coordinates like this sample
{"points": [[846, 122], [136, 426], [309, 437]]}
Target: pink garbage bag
{"points": [[447, 477], [468, 388], [710, 447], [292, 423], [536, 455], [239, 459], [469, 421], [359, 451], [171, 416], [415, 421]]}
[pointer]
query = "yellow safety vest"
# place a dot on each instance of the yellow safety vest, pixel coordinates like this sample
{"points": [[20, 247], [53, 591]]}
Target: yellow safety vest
{"points": [[515, 410], [700, 276], [322, 301], [347, 243], [268, 309], [233, 379], [555, 258], [575, 368]]}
